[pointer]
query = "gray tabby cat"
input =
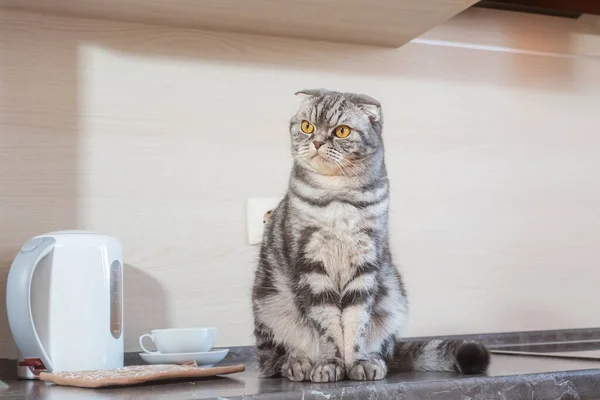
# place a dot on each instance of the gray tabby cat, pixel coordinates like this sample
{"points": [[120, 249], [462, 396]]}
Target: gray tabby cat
{"points": [[327, 299]]}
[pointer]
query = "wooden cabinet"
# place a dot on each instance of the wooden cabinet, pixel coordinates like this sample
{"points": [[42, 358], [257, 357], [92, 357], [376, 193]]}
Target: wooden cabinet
{"points": [[374, 22], [567, 8]]}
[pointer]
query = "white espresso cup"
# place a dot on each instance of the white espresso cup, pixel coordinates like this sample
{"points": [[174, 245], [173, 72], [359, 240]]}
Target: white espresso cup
{"points": [[182, 340]]}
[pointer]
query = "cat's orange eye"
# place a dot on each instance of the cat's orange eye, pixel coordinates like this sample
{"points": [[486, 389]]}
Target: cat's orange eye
{"points": [[342, 131], [307, 127]]}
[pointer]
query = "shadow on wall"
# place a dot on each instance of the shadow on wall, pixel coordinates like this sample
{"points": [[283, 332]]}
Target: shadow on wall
{"points": [[39, 136], [143, 312], [40, 169]]}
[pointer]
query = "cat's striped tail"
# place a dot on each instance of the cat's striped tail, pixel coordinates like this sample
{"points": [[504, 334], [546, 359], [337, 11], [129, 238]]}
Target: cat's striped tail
{"points": [[461, 356]]}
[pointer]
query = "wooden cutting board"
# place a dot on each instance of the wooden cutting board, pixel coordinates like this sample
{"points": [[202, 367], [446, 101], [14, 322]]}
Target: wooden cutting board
{"points": [[135, 374]]}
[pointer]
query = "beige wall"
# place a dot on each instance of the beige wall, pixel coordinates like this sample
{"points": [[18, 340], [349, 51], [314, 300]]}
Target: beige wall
{"points": [[159, 135]]}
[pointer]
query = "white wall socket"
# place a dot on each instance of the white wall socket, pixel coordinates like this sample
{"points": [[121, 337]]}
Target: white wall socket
{"points": [[256, 208]]}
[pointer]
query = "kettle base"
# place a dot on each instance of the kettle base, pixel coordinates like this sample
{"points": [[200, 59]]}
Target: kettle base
{"points": [[24, 372]]}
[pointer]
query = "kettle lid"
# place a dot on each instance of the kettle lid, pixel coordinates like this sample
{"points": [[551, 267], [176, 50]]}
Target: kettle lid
{"points": [[71, 232]]}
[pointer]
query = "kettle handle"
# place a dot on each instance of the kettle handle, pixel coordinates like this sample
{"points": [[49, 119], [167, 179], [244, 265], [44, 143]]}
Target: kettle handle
{"points": [[18, 303]]}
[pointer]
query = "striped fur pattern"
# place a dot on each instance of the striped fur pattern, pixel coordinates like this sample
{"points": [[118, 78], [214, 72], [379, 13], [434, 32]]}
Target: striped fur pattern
{"points": [[328, 302]]}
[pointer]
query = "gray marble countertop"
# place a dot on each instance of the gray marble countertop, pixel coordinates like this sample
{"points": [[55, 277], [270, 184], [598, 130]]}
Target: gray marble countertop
{"points": [[510, 377], [533, 372]]}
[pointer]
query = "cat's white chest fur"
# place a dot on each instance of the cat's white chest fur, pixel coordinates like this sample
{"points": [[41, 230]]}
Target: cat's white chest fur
{"points": [[335, 244]]}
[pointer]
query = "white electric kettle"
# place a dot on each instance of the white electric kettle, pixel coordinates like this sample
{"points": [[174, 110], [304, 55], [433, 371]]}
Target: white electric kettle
{"points": [[64, 300]]}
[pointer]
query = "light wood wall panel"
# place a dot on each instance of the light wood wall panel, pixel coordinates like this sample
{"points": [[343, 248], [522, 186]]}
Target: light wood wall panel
{"points": [[159, 135]]}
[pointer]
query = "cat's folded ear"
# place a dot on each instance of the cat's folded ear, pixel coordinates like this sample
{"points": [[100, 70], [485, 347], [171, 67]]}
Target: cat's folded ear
{"points": [[369, 105], [373, 111], [308, 93]]}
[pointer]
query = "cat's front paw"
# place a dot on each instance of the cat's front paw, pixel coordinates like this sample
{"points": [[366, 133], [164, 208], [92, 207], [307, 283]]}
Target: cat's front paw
{"points": [[368, 370], [328, 371], [296, 369]]}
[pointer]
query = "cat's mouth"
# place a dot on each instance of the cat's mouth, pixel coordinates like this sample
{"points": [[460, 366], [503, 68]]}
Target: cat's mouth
{"points": [[319, 160], [324, 158], [323, 164]]}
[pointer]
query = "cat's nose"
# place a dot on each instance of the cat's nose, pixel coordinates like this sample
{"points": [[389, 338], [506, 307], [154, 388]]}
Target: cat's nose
{"points": [[318, 144]]}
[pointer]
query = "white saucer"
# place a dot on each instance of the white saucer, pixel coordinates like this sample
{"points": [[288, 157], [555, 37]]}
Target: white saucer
{"points": [[205, 359]]}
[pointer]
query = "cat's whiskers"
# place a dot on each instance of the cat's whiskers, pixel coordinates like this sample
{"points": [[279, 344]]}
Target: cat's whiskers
{"points": [[301, 153], [342, 164], [351, 170], [348, 162], [349, 176], [341, 168]]}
